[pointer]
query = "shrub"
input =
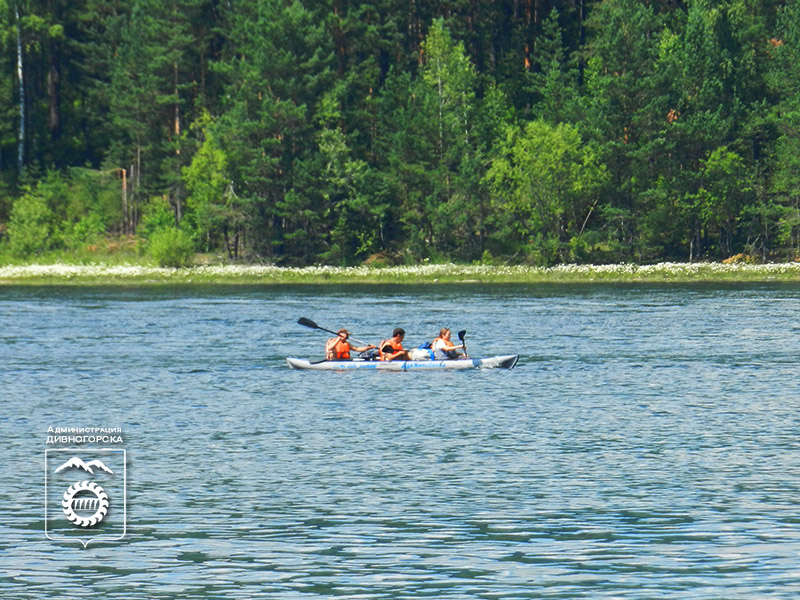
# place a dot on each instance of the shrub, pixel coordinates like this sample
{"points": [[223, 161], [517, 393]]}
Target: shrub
{"points": [[746, 259], [30, 227], [63, 210], [86, 230], [156, 216], [172, 247]]}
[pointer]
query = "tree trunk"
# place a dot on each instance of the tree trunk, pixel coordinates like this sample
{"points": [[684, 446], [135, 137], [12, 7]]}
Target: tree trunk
{"points": [[136, 181], [581, 39], [177, 110], [125, 220], [227, 240], [178, 203], [21, 146], [54, 92]]}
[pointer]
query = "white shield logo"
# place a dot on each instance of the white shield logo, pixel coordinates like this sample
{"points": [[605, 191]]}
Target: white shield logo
{"points": [[85, 494]]}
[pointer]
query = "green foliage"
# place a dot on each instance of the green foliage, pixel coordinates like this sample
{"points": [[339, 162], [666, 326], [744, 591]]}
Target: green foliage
{"points": [[209, 208], [546, 181], [302, 132], [554, 78], [784, 80], [172, 247], [156, 216], [64, 210], [30, 227]]}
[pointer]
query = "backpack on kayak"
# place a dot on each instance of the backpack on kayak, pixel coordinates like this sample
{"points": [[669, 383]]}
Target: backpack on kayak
{"points": [[422, 352], [371, 354]]}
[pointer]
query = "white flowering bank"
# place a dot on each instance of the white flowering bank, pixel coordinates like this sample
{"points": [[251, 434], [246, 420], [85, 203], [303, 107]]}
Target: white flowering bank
{"points": [[417, 273]]}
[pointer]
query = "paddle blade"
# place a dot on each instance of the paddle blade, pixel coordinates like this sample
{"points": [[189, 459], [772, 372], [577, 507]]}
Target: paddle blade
{"points": [[461, 334], [308, 323]]}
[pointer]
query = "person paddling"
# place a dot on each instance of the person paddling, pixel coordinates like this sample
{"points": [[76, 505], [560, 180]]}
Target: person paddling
{"points": [[443, 348], [392, 349], [338, 348]]}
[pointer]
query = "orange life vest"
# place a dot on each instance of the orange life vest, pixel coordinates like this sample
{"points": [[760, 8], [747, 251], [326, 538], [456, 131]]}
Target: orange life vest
{"points": [[395, 346], [340, 350]]}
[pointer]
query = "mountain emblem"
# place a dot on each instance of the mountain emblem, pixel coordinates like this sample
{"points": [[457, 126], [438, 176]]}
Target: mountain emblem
{"points": [[77, 463]]}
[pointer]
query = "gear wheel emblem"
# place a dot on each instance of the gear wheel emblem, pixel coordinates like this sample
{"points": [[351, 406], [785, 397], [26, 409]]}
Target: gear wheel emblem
{"points": [[81, 498]]}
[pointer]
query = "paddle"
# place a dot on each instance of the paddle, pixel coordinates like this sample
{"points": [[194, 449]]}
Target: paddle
{"points": [[461, 335], [309, 323]]}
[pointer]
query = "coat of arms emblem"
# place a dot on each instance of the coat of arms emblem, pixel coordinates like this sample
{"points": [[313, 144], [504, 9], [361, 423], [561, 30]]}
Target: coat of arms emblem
{"points": [[85, 490]]}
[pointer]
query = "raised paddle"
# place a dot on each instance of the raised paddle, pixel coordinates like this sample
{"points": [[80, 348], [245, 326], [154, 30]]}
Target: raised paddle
{"points": [[461, 335], [309, 323]]}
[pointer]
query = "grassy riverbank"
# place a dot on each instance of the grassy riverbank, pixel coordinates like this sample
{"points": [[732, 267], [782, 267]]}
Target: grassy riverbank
{"points": [[96, 274]]}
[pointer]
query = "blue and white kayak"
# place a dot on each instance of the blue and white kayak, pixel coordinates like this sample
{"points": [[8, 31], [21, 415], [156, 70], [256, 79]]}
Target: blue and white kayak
{"points": [[493, 362]]}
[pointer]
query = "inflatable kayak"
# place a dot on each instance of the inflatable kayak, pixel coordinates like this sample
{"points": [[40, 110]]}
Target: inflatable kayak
{"points": [[494, 362]]}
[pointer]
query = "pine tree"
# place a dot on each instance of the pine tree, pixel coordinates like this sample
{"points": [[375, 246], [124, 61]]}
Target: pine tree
{"points": [[626, 109], [553, 78], [148, 89], [9, 108], [276, 67], [783, 208]]}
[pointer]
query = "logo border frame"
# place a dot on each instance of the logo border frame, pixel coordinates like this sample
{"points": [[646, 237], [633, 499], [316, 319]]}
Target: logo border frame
{"points": [[124, 494]]}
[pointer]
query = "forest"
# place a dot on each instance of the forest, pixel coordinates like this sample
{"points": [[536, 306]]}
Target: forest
{"points": [[345, 132]]}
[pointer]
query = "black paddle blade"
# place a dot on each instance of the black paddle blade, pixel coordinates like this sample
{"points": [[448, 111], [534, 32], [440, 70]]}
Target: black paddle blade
{"points": [[307, 323], [461, 334]]}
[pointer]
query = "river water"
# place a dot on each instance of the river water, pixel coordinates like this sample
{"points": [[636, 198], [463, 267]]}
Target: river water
{"points": [[646, 446]]}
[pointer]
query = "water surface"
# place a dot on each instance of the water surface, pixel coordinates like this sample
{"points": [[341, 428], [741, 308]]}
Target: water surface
{"points": [[645, 447]]}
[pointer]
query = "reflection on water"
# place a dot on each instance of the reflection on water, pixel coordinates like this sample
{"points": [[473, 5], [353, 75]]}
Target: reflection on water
{"points": [[646, 445]]}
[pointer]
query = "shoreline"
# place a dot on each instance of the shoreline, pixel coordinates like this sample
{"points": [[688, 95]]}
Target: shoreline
{"points": [[99, 274]]}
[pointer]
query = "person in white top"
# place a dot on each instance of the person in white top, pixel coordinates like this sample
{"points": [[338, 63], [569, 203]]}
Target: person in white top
{"points": [[443, 348]]}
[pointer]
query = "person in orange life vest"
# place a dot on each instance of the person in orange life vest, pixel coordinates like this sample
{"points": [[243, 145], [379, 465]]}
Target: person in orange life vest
{"points": [[392, 349], [339, 348], [443, 348]]}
